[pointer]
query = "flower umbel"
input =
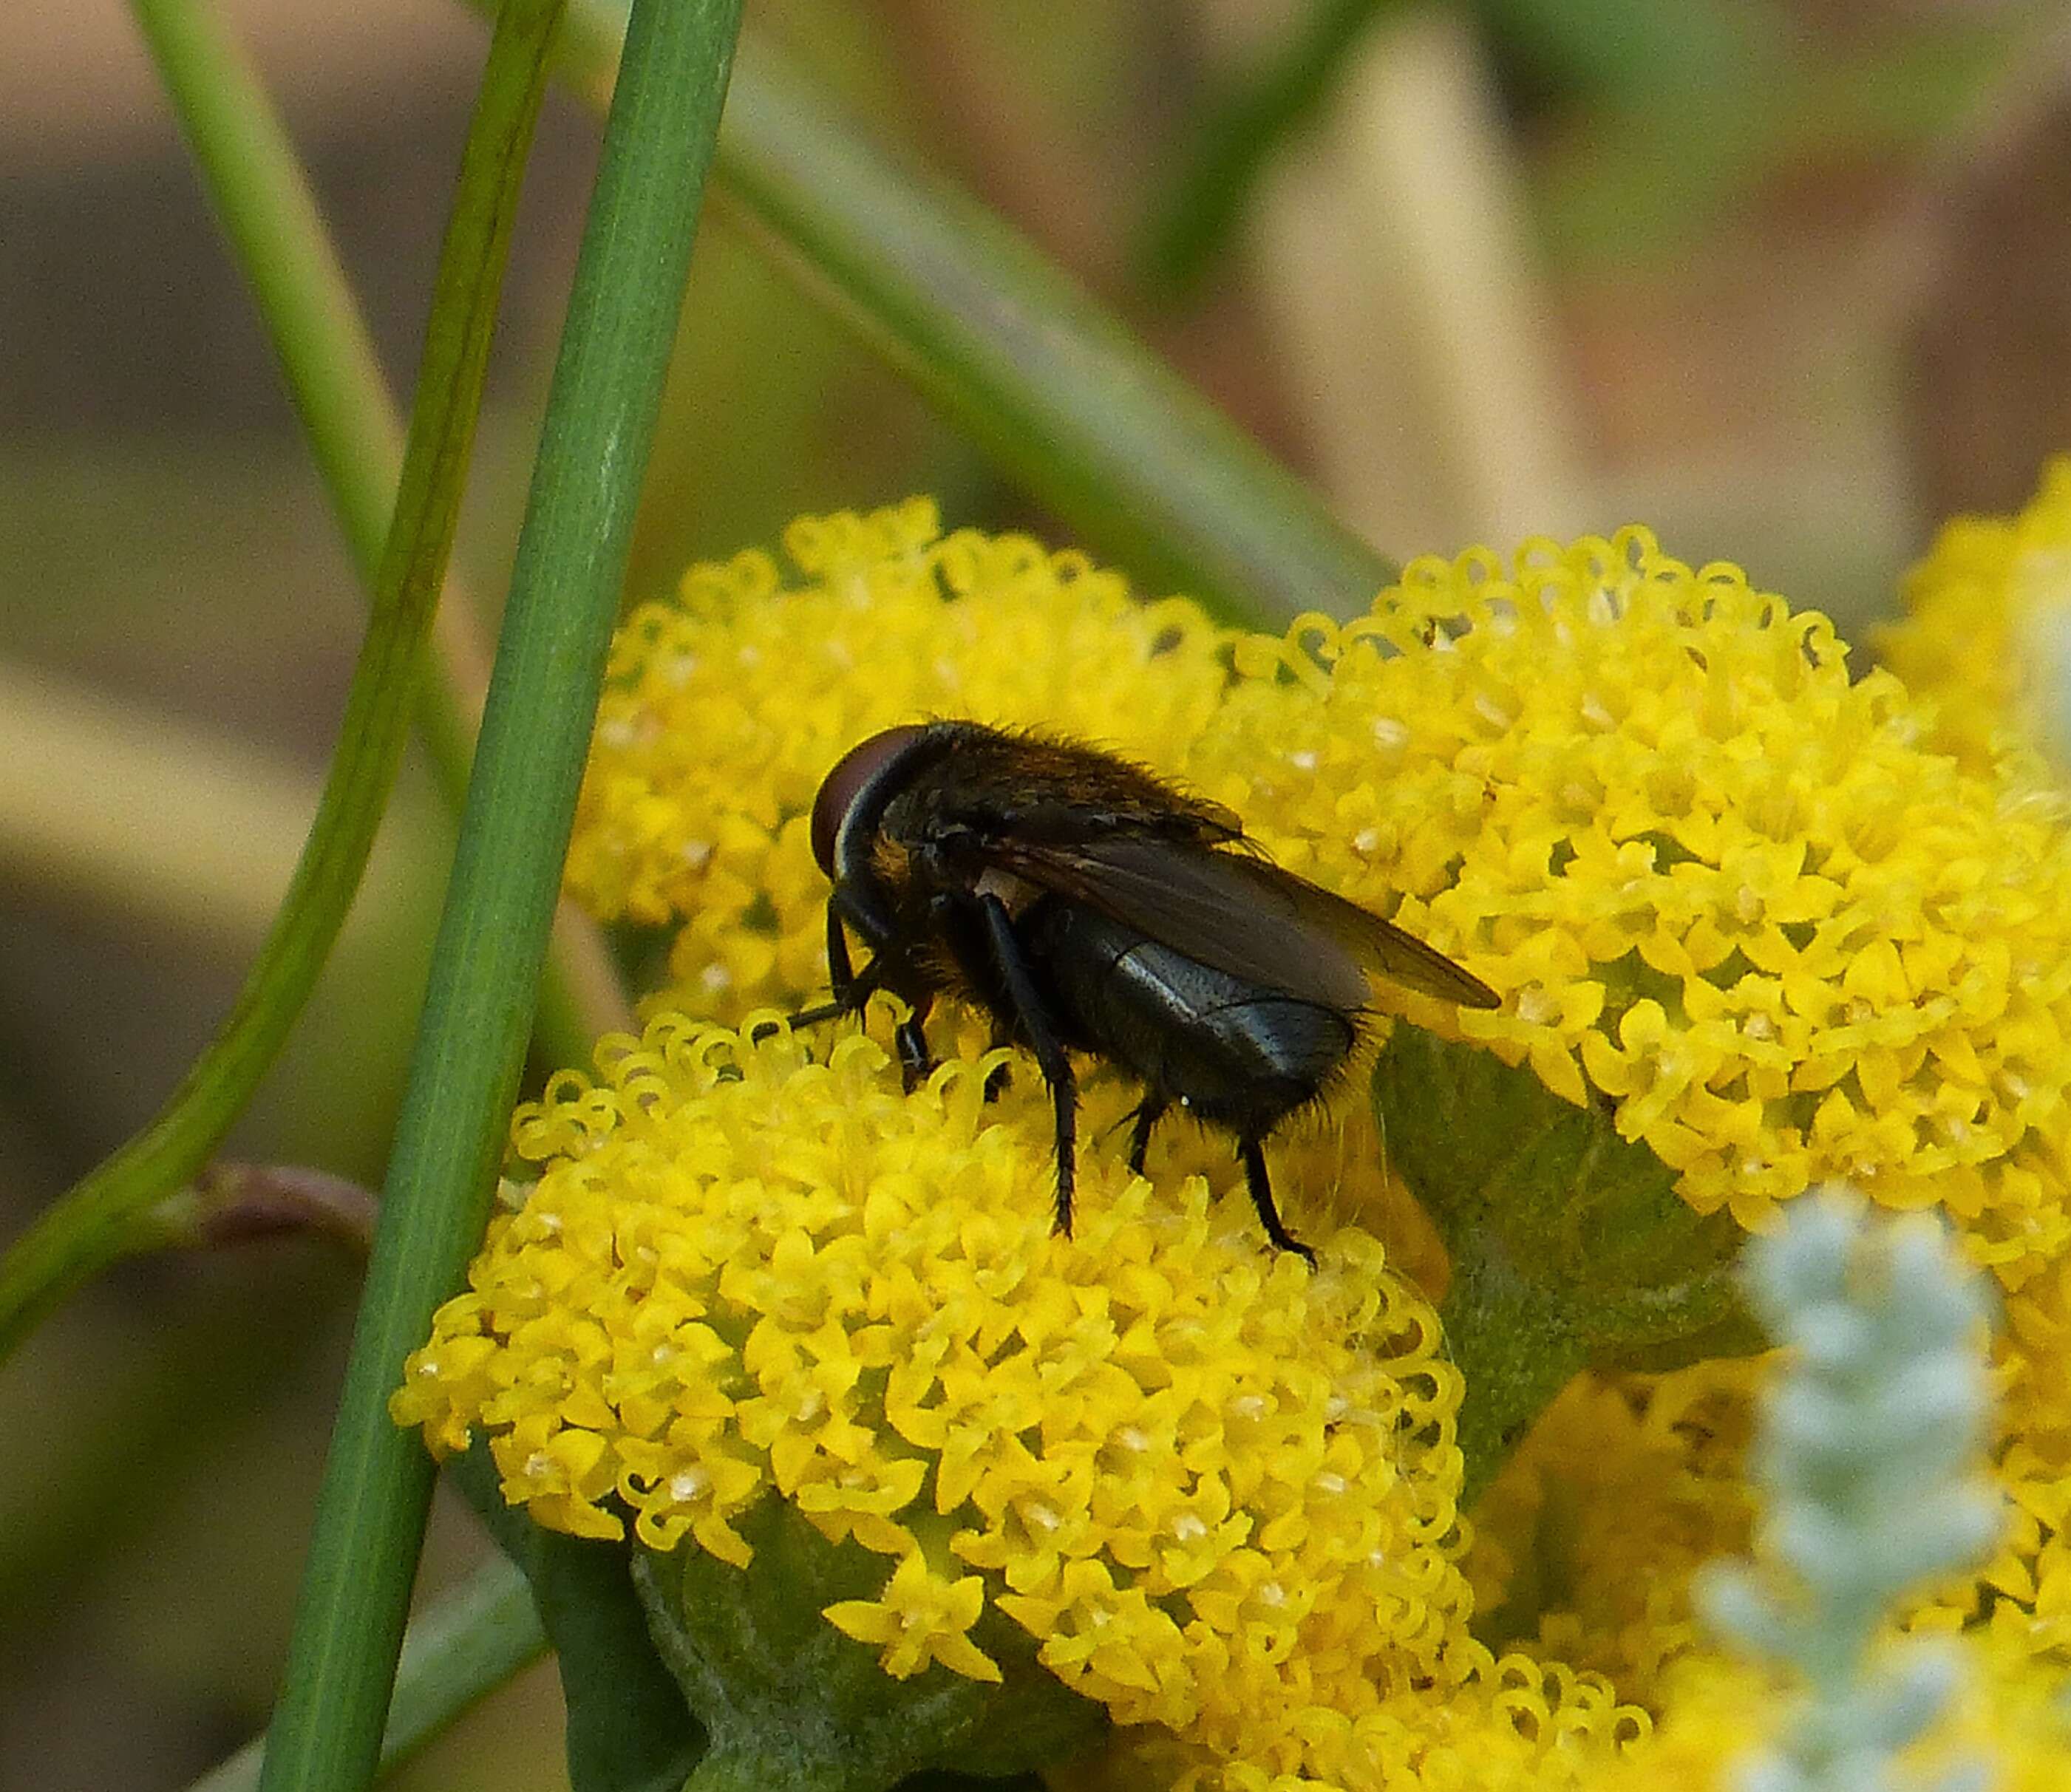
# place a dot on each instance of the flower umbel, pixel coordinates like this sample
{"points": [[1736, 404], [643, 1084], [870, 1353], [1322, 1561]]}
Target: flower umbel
{"points": [[1987, 636], [1196, 1472], [1723, 884]]}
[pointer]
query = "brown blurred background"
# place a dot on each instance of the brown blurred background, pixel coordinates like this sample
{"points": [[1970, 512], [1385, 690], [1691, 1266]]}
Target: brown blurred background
{"points": [[1786, 280]]}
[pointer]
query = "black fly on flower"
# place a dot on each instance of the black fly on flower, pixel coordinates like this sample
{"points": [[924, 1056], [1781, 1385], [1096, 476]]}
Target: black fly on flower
{"points": [[1086, 905]]}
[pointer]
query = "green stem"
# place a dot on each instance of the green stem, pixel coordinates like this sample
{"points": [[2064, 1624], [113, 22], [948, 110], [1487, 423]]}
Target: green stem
{"points": [[261, 199], [621, 319], [89, 1226], [471, 1641], [261, 196], [1013, 351]]}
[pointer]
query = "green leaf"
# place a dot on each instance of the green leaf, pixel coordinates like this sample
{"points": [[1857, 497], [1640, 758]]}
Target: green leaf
{"points": [[628, 1728], [1570, 1247], [621, 319]]}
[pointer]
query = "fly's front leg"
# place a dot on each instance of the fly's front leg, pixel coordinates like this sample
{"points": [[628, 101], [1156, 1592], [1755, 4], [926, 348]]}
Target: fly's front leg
{"points": [[1035, 1025], [916, 1064], [852, 988]]}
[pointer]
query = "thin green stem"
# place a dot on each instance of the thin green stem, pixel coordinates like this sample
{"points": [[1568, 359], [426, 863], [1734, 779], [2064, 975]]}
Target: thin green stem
{"points": [[601, 409], [1050, 385], [254, 182], [89, 1226], [477, 1638], [261, 196]]}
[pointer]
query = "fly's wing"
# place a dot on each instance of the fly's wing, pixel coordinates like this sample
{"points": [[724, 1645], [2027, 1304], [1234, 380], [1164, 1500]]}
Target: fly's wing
{"points": [[1243, 915]]}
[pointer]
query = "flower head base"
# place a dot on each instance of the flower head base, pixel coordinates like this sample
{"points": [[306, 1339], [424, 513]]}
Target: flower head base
{"points": [[1188, 1467]]}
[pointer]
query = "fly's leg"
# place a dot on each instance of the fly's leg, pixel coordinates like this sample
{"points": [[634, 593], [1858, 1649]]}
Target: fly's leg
{"points": [[1148, 1115], [1253, 1154], [852, 988], [1034, 1020], [916, 1064], [850, 991]]}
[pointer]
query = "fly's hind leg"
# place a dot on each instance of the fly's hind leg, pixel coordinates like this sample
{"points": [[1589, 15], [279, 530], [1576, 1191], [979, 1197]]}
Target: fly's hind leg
{"points": [[1037, 1028], [1253, 1154]]}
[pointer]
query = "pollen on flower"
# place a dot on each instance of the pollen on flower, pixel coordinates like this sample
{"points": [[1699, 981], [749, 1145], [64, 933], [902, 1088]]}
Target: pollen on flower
{"points": [[726, 705], [1210, 1483]]}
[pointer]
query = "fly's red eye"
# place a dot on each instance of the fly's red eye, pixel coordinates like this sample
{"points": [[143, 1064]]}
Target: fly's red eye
{"points": [[853, 773]]}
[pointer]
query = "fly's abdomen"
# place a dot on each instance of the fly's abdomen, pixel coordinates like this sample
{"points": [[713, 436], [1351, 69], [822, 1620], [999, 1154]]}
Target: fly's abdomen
{"points": [[1236, 1052]]}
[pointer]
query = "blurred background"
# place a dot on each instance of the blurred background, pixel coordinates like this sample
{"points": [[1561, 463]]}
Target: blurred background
{"points": [[1787, 279]]}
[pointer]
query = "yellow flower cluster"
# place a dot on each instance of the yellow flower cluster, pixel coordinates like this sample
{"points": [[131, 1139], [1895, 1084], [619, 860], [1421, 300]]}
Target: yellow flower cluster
{"points": [[1586, 1545], [1755, 905], [1218, 1488], [1718, 881], [1986, 636], [725, 707]]}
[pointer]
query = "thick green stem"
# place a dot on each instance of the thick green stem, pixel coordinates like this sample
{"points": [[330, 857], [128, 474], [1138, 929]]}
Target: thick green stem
{"points": [[622, 320]]}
